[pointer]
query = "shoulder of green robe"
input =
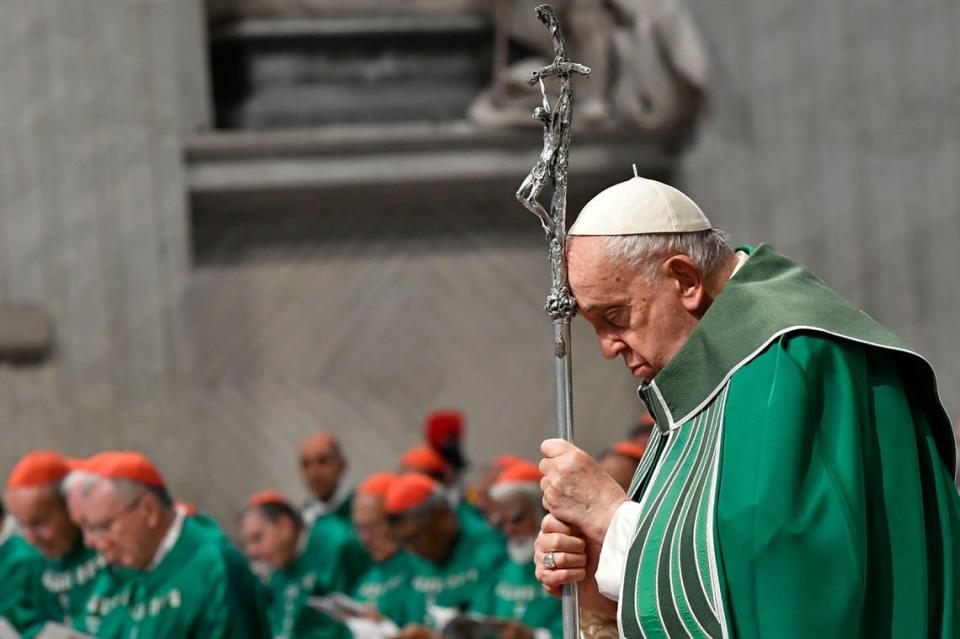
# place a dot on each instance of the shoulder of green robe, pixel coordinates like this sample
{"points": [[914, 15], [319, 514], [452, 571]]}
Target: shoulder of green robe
{"points": [[769, 297]]}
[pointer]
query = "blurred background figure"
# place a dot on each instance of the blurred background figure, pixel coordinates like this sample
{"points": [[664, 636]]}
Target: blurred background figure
{"points": [[21, 567], [181, 580], [443, 431], [459, 563], [34, 497], [640, 432], [621, 461], [478, 493], [387, 586], [274, 537], [517, 598], [323, 466]]}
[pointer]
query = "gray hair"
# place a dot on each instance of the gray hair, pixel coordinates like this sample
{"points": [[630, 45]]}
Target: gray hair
{"points": [[708, 249], [127, 491]]}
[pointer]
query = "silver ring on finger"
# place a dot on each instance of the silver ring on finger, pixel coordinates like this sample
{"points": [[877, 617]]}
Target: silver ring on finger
{"points": [[549, 561]]}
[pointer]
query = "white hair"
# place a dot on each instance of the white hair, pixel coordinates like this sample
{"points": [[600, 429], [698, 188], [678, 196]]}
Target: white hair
{"points": [[127, 491], [708, 249]]}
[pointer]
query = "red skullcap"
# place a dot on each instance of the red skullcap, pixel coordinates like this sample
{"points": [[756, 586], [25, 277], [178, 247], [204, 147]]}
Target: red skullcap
{"points": [[409, 491], [520, 472], [628, 449], [128, 465], [503, 462], [424, 459], [444, 426], [376, 485], [38, 468], [265, 497]]}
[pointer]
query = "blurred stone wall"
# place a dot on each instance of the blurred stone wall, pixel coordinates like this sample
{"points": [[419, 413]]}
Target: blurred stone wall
{"points": [[835, 136]]}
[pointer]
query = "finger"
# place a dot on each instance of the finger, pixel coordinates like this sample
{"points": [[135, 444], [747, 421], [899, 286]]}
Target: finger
{"points": [[551, 524], [563, 560], [552, 542], [555, 447], [558, 578]]}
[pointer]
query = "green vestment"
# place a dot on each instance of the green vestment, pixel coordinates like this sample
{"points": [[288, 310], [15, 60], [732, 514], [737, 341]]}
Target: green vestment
{"points": [[192, 593], [799, 482], [69, 581], [344, 559], [21, 596], [387, 586], [291, 616], [518, 596], [461, 579]]}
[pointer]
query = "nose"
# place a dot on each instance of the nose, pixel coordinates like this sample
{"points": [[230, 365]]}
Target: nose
{"points": [[610, 346]]}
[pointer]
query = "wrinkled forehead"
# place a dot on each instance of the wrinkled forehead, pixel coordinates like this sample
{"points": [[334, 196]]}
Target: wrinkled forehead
{"points": [[594, 279]]}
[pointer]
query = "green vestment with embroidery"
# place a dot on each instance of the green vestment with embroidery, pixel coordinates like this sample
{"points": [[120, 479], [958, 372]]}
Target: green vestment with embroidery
{"points": [[799, 482]]}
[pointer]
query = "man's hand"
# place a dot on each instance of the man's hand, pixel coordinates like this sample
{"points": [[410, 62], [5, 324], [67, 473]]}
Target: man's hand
{"points": [[568, 551], [577, 491], [575, 561]]}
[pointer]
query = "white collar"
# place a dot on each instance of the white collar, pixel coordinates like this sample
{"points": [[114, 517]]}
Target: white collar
{"points": [[742, 257], [316, 508], [8, 529], [170, 539]]}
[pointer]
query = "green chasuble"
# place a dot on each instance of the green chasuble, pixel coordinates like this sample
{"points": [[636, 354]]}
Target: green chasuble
{"points": [[518, 596], [387, 587], [21, 597], [249, 592], [69, 581], [461, 579], [344, 559], [291, 616], [799, 482], [192, 593]]}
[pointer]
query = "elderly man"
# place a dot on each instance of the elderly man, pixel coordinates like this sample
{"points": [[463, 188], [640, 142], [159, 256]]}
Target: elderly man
{"points": [[425, 460], [526, 610], [386, 585], [21, 598], [273, 533], [34, 498], [180, 582], [327, 515], [799, 480], [323, 466], [459, 563]]}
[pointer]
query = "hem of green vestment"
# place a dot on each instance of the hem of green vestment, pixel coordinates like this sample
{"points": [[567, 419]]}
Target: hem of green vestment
{"points": [[768, 297]]}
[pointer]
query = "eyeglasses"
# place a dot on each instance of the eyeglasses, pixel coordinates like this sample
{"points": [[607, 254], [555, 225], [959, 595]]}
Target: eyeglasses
{"points": [[107, 525]]}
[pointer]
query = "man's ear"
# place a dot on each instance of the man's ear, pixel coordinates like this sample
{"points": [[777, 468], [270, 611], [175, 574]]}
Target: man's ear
{"points": [[153, 509], [687, 280]]}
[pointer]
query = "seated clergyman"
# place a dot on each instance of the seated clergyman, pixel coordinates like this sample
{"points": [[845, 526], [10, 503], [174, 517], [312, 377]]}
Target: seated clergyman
{"points": [[517, 599], [34, 497], [179, 581], [298, 569], [20, 569], [386, 586], [459, 562]]}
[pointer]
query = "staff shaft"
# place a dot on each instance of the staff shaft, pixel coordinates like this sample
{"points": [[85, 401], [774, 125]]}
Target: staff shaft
{"points": [[564, 383]]}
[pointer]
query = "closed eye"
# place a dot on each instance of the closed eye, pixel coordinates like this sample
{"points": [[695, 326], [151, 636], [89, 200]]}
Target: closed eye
{"points": [[618, 317]]}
